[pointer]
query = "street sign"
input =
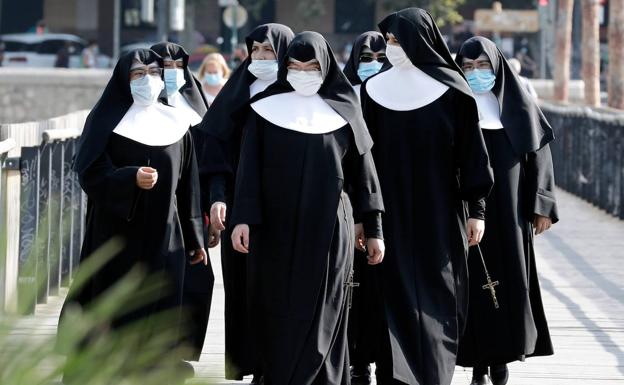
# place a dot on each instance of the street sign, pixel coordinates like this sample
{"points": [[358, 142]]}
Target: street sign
{"points": [[507, 21], [235, 16]]}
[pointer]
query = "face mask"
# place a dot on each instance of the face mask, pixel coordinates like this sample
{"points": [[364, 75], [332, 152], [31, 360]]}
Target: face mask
{"points": [[145, 91], [174, 80], [264, 69], [213, 79], [366, 70], [306, 83], [481, 81], [396, 56]]}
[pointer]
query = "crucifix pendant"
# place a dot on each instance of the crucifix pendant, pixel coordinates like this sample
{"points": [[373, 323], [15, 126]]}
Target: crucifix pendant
{"points": [[350, 286], [490, 286]]}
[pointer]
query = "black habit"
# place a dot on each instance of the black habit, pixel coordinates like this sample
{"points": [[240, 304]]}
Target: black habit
{"points": [[524, 187], [291, 190], [221, 133], [431, 162], [199, 278], [158, 226]]}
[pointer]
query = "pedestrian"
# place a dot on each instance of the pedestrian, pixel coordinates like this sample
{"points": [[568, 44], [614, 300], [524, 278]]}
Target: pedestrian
{"points": [[213, 73], [432, 162], [522, 205], [304, 147], [222, 129]]}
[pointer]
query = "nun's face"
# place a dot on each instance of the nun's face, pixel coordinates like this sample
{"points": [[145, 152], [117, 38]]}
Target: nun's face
{"points": [[262, 51], [392, 40], [480, 63], [141, 70], [169, 63], [296, 65], [367, 55]]}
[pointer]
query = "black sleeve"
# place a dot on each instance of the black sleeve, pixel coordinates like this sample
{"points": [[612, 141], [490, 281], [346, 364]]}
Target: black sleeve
{"points": [[188, 198], [472, 162], [247, 202], [540, 178], [114, 188], [362, 185]]}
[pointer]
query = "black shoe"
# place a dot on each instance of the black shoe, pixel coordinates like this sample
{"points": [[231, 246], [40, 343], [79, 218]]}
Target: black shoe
{"points": [[361, 375], [499, 374], [480, 376]]}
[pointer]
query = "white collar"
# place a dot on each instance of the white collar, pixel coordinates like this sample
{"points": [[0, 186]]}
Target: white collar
{"points": [[306, 114], [258, 86], [179, 101], [489, 111], [404, 88], [153, 125]]}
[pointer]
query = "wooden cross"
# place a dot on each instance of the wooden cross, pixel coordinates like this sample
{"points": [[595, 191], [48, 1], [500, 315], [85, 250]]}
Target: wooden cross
{"points": [[490, 286]]}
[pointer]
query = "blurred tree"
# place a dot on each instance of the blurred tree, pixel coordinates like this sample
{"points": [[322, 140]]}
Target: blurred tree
{"points": [[443, 11], [591, 52], [616, 54], [563, 49]]}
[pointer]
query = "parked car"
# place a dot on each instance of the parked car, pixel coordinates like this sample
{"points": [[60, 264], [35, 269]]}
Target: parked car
{"points": [[34, 50]]}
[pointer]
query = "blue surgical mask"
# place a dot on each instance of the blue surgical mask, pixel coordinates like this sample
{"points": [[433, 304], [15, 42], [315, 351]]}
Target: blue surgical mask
{"points": [[366, 70], [481, 81], [145, 91], [174, 80], [213, 79]]}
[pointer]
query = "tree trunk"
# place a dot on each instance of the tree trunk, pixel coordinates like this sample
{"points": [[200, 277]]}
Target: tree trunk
{"points": [[616, 54], [563, 49], [591, 52]]}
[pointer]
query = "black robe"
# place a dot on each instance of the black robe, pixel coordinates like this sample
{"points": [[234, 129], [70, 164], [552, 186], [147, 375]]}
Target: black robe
{"points": [[523, 187], [429, 161], [220, 133], [291, 191], [159, 226], [198, 279]]}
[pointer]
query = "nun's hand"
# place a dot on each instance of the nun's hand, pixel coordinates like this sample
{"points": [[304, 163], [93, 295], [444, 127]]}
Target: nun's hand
{"points": [[360, 238], [240, 238], [475, 228], [376, 250], [146, 178], [199, 255], [217, 215], [214, 236], [541, 224]]}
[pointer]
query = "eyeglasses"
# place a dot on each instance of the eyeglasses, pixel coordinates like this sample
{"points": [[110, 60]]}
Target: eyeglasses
{"points": [[140, 73], [368, 58], [482, 65]]}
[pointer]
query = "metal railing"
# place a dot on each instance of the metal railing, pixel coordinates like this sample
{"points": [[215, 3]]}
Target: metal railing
{"points": [[588, 154], [45, 212]]}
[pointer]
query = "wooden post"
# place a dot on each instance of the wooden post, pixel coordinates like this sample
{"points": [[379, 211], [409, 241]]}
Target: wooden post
{"points": [[563, 49], [615, 85], [591, 52]]}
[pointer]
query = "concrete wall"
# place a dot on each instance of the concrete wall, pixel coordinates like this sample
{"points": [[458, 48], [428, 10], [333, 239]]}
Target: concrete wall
{"points": [[38, 94]]}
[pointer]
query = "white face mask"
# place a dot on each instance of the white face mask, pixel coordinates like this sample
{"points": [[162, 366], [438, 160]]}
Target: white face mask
{"points": [[264, 69], [306, 83], [397, 56], [174, 80], [145, 91]]}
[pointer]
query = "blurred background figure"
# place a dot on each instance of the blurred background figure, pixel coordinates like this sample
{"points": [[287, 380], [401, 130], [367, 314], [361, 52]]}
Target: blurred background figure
{"points": [[517, 67], [1, 52], [239, 55], [213, 74], [62, 56], [89, 55]]}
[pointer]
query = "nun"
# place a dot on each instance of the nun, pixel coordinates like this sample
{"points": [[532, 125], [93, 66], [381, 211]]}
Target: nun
{"points": [[368, 55], [183, 92], [432, 163], [137, 165], [305, 145], [221, 131], [522, 205]]}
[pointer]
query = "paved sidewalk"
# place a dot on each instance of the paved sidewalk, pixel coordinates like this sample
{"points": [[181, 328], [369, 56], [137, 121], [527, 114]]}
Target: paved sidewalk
{"points": [[581, 266]]}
